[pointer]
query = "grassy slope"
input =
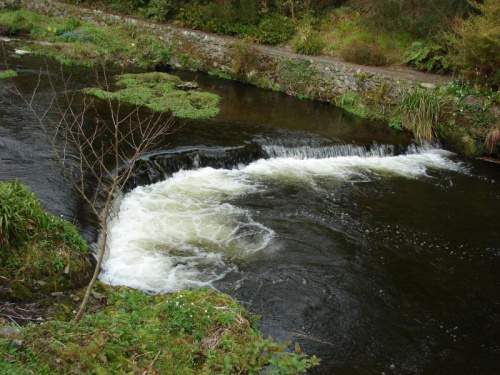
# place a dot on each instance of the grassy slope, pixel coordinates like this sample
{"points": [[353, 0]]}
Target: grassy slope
{"points": [[188, 332]]}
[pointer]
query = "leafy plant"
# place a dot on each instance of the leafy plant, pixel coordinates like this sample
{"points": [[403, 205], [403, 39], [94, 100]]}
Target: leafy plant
{"points": [[426, 56]]}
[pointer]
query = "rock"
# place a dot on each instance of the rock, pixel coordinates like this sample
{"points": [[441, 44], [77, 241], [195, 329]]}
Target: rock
{"points": [[18, 344], [186, 86], [22, 52], [40, 282], [57, 294], [10, 333], [430, 86]]}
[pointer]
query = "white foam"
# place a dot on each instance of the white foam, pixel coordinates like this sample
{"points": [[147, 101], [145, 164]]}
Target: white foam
{"points": [[186, 232]]}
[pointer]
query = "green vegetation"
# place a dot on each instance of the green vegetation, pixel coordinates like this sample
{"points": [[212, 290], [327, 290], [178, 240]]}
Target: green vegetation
{"points": [[188, 332], [37, 247], [419, 113], [351, 102], [75, 42], [8, 74], [159, 92]]}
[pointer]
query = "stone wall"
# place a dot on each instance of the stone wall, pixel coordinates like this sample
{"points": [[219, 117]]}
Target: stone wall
{"points": [[317, 78]]}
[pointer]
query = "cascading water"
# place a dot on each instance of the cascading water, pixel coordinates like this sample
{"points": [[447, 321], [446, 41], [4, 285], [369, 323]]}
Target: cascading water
{"points": [[186, 232]]}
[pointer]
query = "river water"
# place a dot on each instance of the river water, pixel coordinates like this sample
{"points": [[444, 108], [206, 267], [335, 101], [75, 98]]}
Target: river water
{"points": [[374, 254]]}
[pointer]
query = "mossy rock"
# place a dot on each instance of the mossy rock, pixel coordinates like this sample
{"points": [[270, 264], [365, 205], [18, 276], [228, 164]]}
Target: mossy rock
{"points": [[14, 290], [159, 92]]}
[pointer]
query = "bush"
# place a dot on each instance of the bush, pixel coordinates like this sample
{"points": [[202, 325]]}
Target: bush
{"points": [[306, 40], [363, 52], [426, 56], [475, 42]]}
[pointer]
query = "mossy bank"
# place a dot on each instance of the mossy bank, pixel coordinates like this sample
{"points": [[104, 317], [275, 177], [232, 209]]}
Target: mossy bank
{"points": [[466, 119], [40, 253]]}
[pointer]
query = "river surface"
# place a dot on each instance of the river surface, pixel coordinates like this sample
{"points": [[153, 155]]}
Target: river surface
{"points": [[374, 254]]}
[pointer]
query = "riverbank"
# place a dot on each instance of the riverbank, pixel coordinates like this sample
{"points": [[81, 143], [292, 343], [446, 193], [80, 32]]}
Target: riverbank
{"points": [[466, 119]]}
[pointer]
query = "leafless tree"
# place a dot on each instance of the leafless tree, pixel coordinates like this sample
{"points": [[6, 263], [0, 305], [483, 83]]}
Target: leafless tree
{"points": [[92, 145]]}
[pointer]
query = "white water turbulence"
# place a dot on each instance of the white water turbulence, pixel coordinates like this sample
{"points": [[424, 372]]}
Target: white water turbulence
{"points": [[184, 232], [180, 233]]}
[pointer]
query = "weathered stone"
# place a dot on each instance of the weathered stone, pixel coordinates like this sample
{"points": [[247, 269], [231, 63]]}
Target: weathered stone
{"points": [[10, 333], [430, 86]]}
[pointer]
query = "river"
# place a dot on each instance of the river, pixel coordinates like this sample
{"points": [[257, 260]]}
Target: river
{"points": [[374, 254]]}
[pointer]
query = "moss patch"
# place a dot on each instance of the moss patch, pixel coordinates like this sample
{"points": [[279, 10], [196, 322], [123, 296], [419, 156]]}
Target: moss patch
{"points": [[37, 249], [8, 74], [158, 91], [189, 332]]}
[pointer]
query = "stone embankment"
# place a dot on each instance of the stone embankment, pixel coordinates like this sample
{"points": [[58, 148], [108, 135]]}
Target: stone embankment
{"points": [[318, 78]]}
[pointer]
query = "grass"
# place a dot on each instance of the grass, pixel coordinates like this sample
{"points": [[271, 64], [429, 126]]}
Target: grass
{"points": [[419, 111], [8, 74], [36, 246], [492, 139], [189, 332], [351, 102], [76, 42], [158, 92]]}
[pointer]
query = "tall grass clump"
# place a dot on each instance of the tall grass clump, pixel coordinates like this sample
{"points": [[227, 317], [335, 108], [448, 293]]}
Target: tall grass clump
{"points": [[419, 113], [35, 245], [492, 140]]}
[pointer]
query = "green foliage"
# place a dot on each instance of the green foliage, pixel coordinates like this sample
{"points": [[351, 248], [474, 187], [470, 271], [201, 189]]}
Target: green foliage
{"points": [[307, 40], [426, 56], [219, 74], [158, 91], [75, 42], [351, 102], [244, 55], [188, 332], [419, 113], [295, 76], [8, 74], [475, 42], [226, 20], [363, 52], [34, 244]]}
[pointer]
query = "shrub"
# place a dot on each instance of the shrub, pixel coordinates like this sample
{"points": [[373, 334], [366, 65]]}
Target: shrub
{"points": [[426, 56], [363, 52], [475, 42], [307, 41], [274, 29]]}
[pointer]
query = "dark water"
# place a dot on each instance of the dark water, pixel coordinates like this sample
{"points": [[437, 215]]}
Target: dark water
{"points": [[374, 264]]}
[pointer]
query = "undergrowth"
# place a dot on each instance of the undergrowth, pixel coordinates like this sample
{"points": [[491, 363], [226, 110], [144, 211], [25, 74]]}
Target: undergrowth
{"points": [[76, 42], [37, 246], [189, 332], [159, 92]]}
